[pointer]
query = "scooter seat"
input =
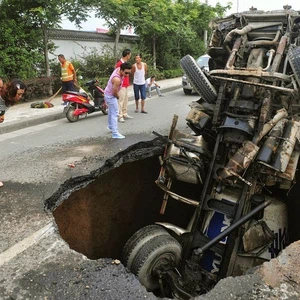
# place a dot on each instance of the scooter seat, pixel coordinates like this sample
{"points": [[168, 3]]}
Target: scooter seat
{"points": [[83, 94]]}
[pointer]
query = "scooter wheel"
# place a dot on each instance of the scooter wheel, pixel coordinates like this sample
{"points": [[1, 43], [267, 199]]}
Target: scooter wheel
{"points": [[70, 115], [105, 110]]}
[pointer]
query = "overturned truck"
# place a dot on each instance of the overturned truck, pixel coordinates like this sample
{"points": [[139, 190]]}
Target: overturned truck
{"points": [[244, 146]]}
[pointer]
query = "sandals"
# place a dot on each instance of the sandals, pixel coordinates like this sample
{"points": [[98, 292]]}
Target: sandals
{"points": [[142, 111]]}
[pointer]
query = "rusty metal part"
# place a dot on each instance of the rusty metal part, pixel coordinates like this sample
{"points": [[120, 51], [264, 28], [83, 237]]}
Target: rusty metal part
{"points": [[286, 147], [264, 112], [161, 175], [166, 197], [176, 196], [197, 117], [265, 42], [267, 86], [279, 53], [255, 72], [291, 168], [281, 113], [234, 51], [240, 161], [271, 143], [257, 235], [256, 59], [248, 28], [288, 175]]}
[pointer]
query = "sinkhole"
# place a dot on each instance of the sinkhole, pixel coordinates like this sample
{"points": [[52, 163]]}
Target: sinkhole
{"points": [[96, 214]]}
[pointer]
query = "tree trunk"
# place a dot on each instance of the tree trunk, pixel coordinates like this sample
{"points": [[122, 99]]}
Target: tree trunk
{"points": [[154, 51], [118, 32], [47, 65]]}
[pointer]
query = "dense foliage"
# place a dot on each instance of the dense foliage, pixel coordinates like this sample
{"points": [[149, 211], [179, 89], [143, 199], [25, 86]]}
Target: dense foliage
{"points": [[168, 30]]}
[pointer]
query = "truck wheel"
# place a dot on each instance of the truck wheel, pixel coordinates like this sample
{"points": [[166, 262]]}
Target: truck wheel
{"points": [[158, 252], [198, 80], [137, 240], [70, 114], [294, 59]]}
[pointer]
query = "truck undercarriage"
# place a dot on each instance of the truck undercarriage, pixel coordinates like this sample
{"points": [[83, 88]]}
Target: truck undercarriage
{"points": [[244, 146]]}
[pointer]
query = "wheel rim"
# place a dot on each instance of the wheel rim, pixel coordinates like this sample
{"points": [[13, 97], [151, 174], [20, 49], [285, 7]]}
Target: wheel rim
{"points": [[70, 114], [158, 254], [165, 259], [136, 242]]}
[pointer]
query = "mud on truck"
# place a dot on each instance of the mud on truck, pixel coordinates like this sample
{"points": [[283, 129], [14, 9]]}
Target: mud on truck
{"points": [[242, 144]]}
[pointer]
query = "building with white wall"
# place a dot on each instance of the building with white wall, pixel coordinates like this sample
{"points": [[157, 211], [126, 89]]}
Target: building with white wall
{"points": [[74, 43]]}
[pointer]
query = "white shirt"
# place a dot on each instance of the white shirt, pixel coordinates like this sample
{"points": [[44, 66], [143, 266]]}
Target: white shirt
{"points": [[148, 81], [139, 75]]}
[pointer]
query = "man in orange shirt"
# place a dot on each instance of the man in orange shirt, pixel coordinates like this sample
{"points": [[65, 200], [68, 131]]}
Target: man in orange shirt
{"points": [[123, 94], [68, 74]]}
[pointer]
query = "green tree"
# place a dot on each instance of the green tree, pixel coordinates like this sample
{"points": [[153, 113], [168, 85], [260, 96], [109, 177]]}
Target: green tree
{"points": [[168, 29], [117, 14], [174, 28], [23, 23], [155, 18]]}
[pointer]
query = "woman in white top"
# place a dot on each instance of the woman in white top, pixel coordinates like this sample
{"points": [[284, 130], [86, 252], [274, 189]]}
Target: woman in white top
{"points": [[139, 70]]}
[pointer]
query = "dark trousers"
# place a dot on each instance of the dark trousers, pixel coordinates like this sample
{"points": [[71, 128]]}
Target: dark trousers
{"points": [[68, 86]]}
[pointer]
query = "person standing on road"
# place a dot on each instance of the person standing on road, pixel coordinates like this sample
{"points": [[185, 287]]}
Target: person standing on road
{"points": [[10, 94], [151, 85], [111, 95], [139, 69], [68, 74], [123, 94]]}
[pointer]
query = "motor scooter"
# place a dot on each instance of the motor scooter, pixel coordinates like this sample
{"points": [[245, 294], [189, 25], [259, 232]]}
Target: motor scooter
{"points": [[83, 103]]}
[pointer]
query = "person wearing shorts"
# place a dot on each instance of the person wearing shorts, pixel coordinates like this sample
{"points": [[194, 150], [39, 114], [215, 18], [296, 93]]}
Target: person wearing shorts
{"points": [[139, 70]]}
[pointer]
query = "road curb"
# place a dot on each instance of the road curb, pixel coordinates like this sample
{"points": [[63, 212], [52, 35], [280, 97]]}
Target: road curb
{"points": [[33, 121], [18, 125]]}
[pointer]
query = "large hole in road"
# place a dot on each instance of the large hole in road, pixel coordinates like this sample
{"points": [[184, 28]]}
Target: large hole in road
{"points": [[97, 214]]}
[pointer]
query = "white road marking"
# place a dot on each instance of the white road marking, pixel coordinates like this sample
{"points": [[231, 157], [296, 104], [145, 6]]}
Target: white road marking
{"points": [[18, 248]]}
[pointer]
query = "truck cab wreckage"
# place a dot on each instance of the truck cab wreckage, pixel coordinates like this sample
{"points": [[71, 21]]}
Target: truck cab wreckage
{"points": [[244, 147]]}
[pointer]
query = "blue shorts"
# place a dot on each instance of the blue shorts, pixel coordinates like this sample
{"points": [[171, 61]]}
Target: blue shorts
{"points": [[137, 89]]}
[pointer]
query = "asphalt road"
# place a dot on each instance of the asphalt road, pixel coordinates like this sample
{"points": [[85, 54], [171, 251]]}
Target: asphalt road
{"points": [[35, 262]]}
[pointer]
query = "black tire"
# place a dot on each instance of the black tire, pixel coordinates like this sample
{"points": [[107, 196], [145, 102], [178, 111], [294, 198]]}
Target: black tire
{"points": [[187, 91], [70, 114], [198, 80], [294, 59], [137, 240], [160, 250], [104, 109]]}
